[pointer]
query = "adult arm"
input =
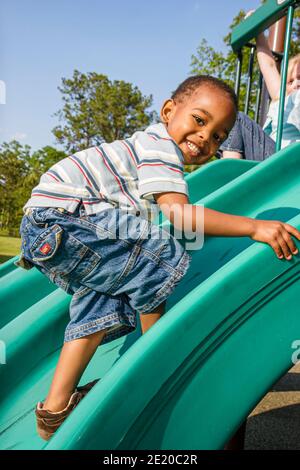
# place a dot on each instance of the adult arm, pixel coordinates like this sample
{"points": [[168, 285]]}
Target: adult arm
{"points": [[267, 64], [268, 67]]}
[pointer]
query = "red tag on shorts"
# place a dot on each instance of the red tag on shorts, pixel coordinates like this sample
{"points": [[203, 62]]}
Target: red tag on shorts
{"points": [[45, 248]]}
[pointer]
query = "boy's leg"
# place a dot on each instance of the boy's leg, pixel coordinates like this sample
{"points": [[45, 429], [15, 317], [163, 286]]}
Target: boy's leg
{"points": [[109, 308], [74, 358], [148, 319], [79, 353]]}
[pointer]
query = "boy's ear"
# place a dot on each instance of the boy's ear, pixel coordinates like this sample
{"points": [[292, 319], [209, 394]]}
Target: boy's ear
{"points": [[166, 110]]}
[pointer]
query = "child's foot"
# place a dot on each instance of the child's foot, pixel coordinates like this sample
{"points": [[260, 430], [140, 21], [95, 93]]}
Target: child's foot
{"points": [[48, 422]]}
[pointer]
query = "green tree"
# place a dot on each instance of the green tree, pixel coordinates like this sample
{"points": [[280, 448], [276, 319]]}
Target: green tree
{"points": [[295, 44], [13, 172], [39, 162], [20, 171], [97, 109]]}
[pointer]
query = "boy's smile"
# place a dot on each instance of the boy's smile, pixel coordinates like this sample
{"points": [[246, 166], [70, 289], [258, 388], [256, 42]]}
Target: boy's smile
{"points": [[199, 123]]}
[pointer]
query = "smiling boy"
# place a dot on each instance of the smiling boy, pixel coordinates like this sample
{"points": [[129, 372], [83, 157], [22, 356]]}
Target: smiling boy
{"points": [[69, 229], [197, 123]]}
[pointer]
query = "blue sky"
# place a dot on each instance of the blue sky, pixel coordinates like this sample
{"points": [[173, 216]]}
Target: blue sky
{"points": [[147, 43]]}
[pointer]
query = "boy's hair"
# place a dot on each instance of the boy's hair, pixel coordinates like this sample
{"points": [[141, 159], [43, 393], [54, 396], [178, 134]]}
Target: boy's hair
{"points": [[188, 86]]}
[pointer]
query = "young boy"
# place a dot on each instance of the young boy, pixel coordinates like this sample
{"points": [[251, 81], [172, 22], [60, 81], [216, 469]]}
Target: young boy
{"points": [[74, 224]]}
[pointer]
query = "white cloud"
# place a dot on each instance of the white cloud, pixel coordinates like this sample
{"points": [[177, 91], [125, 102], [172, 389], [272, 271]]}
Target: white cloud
{"points": [[19, 136]]}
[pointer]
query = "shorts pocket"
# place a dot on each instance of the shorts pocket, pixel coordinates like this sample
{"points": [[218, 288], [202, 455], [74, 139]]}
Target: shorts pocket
{"points": [[62, 254]]}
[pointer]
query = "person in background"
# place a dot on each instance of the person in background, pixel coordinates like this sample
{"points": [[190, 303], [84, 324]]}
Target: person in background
{"points": [[247, 139]]}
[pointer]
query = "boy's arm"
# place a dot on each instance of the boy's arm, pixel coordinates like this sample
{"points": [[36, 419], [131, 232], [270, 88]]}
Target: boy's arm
{"points": [[181, 213]]}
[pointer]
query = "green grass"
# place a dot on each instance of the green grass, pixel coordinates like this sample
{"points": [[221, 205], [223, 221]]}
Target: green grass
{"points": [[9, 247]]}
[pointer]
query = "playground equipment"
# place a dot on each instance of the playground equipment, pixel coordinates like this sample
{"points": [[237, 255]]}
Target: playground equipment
{"points": [[264, 17], [194, 377]]}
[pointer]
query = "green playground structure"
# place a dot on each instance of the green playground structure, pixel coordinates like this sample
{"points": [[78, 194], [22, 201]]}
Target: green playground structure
{"points": [[226, 338]]}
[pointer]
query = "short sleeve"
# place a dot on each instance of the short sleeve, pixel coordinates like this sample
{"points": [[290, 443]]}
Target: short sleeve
{"points": [[160, 166]]}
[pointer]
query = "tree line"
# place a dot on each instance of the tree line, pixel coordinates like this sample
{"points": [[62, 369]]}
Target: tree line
{"points": [[96, 109]]}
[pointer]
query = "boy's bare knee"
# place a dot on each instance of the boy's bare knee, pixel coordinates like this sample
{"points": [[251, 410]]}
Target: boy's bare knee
{"points": [[95, 337]]}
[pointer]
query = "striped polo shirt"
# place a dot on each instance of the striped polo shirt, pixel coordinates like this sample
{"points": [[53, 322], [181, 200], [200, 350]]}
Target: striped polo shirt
{"points": [[125, 174]]}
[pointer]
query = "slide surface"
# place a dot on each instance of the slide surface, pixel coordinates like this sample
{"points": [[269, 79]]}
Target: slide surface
{"points": [[190, 381]]}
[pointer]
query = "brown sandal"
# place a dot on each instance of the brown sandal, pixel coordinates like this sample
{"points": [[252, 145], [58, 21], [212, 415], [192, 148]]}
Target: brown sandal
{"points": [[48, 422]]}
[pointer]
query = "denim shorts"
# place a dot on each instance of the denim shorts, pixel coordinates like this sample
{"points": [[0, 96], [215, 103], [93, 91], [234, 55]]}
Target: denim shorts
{"points": [[114, 264]]}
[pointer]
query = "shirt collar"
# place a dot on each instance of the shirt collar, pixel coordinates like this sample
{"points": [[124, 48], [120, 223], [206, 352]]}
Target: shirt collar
{"points": [[161, 130]]}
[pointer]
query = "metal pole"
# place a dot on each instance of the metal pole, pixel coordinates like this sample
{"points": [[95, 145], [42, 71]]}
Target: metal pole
{"points": [[238, 74], [258, 97], [284, 69], [249, 79], [264, 106]]}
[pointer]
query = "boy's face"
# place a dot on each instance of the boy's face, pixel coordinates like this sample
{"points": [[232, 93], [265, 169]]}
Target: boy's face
{"points": [[199, 123]]}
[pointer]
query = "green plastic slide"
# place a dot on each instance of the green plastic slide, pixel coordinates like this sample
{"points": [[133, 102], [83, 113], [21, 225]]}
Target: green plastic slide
{"points": [[190, 381]]}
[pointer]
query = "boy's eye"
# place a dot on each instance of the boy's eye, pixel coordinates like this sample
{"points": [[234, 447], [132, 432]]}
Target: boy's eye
{"points": [[199, 120]]}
